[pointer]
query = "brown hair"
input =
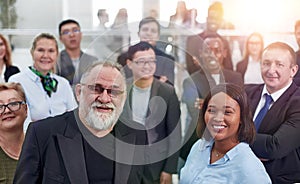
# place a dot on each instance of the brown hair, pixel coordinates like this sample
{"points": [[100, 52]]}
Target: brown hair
{"points": [[283, 46], [7, 57]]}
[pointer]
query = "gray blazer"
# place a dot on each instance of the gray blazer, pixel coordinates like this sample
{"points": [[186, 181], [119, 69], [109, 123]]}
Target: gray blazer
{"points": [[66, 69]]}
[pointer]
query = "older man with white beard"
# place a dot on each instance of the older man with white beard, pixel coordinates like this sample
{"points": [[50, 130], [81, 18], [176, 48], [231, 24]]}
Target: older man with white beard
{"points": [[86, 145]]}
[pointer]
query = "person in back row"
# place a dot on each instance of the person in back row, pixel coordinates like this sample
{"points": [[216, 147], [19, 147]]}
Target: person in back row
{"points": [[149, 31], [72, 60], [7, 69]]}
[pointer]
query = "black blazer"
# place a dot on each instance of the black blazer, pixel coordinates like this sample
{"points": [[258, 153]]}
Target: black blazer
{"points": [[194, 44], [53, 153], [241, 66], [163, 128], [278, 137], [10, 70]]}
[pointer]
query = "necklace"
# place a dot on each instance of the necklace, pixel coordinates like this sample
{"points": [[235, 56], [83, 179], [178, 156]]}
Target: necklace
{"points": [[217, 154]]}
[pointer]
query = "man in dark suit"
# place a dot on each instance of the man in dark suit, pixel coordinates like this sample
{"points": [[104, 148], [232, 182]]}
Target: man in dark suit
{"points": [[86, 145], [196, 87], [72, 60], [149, 31], [214, 22], [277, 141], [153, 105]]}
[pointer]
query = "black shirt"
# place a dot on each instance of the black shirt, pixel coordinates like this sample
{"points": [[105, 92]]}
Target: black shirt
{"points": [[100, 169]]}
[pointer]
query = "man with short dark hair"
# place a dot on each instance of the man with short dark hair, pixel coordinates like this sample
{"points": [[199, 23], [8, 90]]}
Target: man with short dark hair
{"points": [[149, 31], [153, 105], [72, 60]]}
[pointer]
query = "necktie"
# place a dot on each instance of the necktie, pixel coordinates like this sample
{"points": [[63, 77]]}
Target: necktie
{"points": [[263, 111]]}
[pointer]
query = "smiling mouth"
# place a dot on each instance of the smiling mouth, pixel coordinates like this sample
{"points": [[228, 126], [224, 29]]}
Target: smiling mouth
{"points": [[8, 118], [218, 128]]}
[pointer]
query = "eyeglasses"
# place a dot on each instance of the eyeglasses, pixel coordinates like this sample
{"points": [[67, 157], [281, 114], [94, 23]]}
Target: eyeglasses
{"points": [[143, 62], [68, 32], [12, 106], [98, 89]]}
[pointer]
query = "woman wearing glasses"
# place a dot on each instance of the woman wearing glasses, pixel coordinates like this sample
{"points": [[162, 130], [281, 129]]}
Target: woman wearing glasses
{"points": [[13, 112], [47, 94]]}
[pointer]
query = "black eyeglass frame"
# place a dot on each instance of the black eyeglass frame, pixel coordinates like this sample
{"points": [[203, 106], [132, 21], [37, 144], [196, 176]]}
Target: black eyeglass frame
{"points": [[98, 89], [11, 106]]}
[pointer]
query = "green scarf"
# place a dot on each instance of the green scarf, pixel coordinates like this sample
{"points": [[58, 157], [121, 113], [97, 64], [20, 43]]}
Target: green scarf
{"points": [[49, 83]]}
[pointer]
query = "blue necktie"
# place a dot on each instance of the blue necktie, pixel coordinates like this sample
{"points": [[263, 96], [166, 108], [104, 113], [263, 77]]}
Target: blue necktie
{"points": [[263, 111]]}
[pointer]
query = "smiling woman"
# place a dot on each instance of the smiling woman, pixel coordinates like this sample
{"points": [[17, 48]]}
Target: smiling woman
{"points": [[227, 129], [13, 112], [54, 94]]}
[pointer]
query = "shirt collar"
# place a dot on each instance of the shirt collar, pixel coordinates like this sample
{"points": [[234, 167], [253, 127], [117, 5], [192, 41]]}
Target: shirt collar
{"points": [[277, 94]]}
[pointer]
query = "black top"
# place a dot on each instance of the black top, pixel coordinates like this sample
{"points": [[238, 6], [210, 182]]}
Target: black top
{"points": [[10, 70], [100, 169]]}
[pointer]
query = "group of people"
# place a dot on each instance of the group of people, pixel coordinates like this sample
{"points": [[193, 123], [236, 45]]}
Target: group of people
{"points": [[72, 118]]}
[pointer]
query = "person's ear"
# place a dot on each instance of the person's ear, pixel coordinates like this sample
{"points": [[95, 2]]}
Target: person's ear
{"points": [[78, 91], [129, 63]]}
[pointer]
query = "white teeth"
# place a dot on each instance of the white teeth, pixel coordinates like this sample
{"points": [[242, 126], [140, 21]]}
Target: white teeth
{"points": [[218, 126]]}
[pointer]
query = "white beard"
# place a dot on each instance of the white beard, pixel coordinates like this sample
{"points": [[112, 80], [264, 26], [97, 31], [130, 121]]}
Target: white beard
{"points": [[101, 121]]}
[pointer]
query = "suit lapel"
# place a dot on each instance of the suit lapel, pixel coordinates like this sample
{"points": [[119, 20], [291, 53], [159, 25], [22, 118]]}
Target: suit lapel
{"points": [[71, 148], [276, 109], [125, 149]]}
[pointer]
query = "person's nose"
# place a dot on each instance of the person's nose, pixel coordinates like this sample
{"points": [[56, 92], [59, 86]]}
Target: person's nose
{"points": [[219, 117], [104, 97]]}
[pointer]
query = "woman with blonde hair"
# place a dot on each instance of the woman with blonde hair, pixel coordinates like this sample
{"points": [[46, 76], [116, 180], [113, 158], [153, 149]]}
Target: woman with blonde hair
{"points": [[47, 94], [249, 66], [13, 112]]}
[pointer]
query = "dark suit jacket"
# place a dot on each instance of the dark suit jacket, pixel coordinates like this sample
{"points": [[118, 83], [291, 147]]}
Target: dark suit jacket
{"points": [[10, 70], [241, 66], [194, 44], [198, 86], [66, 69], [278, 137], [165, 65], [53, 152], [162, 127]]}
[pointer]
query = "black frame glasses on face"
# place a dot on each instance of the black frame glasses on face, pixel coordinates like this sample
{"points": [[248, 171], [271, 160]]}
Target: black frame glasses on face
{"points": [[99, 89], [143, 62], [68, 32], [12, 106]]}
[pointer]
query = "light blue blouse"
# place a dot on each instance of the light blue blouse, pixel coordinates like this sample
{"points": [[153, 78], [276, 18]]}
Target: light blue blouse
{"points": [[239, 165], [40, 105]]}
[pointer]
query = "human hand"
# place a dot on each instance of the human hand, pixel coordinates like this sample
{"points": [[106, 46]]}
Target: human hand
{"points": [[165, 178], [163, 78]]}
